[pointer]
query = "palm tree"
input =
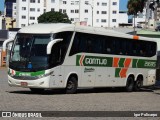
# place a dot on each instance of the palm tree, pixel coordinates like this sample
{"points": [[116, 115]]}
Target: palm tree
{"points": [[135, 6]]}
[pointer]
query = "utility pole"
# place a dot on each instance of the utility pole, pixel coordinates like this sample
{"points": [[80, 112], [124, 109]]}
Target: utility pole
{"points": [[91, 9]]}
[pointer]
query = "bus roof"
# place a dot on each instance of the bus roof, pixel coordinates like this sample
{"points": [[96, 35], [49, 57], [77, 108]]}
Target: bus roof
{"points": [[58, 27]]}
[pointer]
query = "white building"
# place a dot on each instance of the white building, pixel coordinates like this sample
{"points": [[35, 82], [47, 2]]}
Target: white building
{"points": [[14, 11], [123, 17], [102, 12], [28, 11]]}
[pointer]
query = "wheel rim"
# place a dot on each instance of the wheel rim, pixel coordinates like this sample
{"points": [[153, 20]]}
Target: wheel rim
{"points": [[139, 83], [70, 85]]}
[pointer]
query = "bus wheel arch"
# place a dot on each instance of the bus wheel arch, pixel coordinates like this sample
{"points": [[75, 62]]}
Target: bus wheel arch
{"points": [[130, 83], [138, 82], [72, 84]]}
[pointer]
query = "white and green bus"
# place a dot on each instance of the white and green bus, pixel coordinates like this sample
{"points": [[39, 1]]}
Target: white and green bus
{"points": [[54, 56]]}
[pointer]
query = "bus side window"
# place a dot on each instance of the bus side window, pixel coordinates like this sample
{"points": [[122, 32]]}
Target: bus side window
{"points": [[135, 50], [108, 46], [151, 49], [55, 56], [66, 36], [108, 49]]}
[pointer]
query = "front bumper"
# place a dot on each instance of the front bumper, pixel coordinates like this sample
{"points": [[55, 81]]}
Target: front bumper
{"points": [[38, 83]]}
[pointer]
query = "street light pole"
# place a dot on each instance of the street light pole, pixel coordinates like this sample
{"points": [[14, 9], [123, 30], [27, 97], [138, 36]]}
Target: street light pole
{"points": [[92, 11], [79, 11], [92, 15]]}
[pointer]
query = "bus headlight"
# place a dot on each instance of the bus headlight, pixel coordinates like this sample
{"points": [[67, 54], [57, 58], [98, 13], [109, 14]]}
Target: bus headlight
{"points": [[45, 75]]}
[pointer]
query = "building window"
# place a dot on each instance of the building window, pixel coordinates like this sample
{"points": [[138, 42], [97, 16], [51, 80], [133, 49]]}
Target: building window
{"points": [[23, 25], [64, 2], [60, 10], [23, 8], [76, 11], [86, 11], [97, 3], [103, 20], [52, 1], [86, 19], [32, 9], [114, 12], [38, 1], [104, 12], [76, 19], [14, 13], [72, 11], [32, 18], [64, 10], [38, 9], [104, 4], [114, 20], [52, 9], [114, 3], [32, 1], [23, 0], [14, 7], [97, 12], [72, 19], [76, 2], [86, 2], [44, 10], [23, 17], [97, 20], [72, 2]]}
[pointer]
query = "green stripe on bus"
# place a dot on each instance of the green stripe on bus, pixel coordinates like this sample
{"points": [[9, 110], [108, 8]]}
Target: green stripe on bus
{"points": [[97, 61], [30, 73], [94, 61], [146, 63], [121, 62], [134, 63], [117, 71]]}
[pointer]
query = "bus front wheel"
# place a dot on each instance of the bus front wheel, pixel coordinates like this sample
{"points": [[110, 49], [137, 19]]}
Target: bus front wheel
{"points": [[130, 84], [71, 86], [36, 90]]}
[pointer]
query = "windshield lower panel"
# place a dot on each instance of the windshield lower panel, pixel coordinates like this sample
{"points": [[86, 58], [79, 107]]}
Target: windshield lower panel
{"points": [[29, 52]]}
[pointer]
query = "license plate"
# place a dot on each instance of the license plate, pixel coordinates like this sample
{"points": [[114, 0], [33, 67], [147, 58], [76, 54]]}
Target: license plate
{"points": [[24, 84]]}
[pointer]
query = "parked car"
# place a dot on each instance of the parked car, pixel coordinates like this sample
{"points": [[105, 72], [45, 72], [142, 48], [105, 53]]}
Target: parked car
{"points": [[157, 28], [139, 26]]}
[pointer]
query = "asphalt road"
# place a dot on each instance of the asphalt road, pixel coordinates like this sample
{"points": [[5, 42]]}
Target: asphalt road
{"points": [[22, 99]]}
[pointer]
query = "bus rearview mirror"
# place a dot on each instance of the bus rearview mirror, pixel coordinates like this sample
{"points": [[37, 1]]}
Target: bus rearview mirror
{"points": [[51, 43], [6, 42]]}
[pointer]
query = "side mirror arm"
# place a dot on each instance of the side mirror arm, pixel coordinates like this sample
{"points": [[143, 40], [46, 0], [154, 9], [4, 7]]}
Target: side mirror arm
{"points": [[5, 43], [51, 43]]}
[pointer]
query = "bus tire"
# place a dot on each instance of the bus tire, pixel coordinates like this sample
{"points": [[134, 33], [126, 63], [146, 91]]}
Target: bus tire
{"points": [[130, 84], [36, 90], [71, 86], [138, 84]]}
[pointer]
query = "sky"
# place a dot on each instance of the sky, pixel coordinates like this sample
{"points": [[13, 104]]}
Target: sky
{"points": [[123, 5], [1, 5]]}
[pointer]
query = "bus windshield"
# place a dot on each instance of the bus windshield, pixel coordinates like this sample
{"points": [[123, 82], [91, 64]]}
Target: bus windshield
{"points": [[29, 52]]}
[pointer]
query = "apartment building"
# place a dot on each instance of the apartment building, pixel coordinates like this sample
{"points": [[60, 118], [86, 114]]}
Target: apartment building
{"points": [[28, 11], [97, 13], [8, 13]]}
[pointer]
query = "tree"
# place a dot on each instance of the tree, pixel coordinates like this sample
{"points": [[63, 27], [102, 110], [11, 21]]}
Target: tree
{"points": [[53, 17], [135, 6]]}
